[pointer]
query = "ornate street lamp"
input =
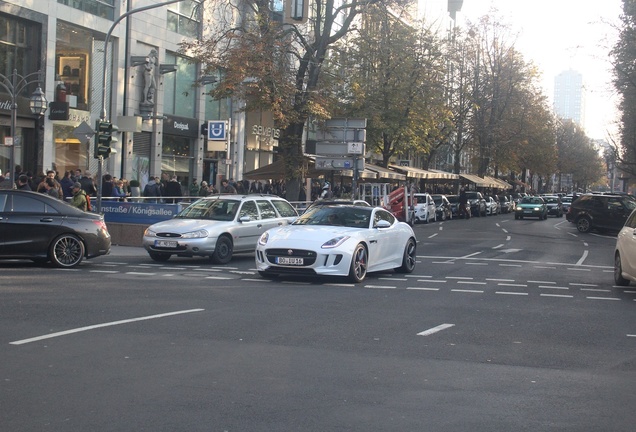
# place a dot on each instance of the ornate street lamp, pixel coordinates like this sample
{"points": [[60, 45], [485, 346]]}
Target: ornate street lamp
{"points": [[15, 84]]}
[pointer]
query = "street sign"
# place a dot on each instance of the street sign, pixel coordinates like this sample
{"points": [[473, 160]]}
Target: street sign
{"points": [[217, 130], [83, 132], [330, 148], [8, 141], [356, 148], [337, 163], [341, 135], [404, 162], [349, 123]]}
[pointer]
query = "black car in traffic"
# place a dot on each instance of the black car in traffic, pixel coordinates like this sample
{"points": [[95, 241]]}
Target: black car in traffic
{"points": [[41, 228], [600, 212]]}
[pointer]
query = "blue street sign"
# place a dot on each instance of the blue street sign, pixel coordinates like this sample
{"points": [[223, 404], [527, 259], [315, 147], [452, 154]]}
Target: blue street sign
{"points": [[217, 130]]}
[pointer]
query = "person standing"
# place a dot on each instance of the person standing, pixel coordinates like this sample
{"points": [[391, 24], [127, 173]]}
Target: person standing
{"points": [[79, 197], [193, 190], [226, 187], [23, 183], [173, 189], [67, 184]]}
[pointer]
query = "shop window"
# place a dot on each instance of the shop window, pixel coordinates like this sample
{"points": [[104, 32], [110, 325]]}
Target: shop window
{"points": [[71, 80]]}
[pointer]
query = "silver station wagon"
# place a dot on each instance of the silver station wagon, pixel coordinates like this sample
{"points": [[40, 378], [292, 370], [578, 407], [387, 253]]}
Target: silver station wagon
{"points": [[217, 227]]}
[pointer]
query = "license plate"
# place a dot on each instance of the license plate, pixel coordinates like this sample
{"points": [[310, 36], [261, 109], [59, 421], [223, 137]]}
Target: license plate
{"points": [[166, 243], [527, 211], [289, 261]]}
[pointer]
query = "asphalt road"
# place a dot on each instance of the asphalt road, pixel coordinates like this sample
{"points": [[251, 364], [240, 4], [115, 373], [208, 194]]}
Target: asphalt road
{"points": [[504, 326]]}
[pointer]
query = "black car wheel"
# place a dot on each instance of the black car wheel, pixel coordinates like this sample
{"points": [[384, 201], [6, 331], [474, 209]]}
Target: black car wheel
{"points": [[359, 262], [584, 224], [159, 257], [618, 270], [408, 260], [66, 251], [223, 251]]}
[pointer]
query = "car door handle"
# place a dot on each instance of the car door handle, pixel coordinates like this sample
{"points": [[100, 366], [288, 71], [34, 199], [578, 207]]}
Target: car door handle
{"points": [[46, 220], [373, 241], [259, 226]]}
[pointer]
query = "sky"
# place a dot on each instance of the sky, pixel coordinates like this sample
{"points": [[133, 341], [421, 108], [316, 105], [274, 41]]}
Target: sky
{"points": [[557, 35]]}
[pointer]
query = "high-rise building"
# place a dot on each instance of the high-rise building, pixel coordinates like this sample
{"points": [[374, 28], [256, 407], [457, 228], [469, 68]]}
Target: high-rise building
{"points": [[569, 96]]}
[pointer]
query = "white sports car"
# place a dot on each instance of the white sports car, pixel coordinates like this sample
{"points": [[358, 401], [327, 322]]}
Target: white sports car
{"points": [[338, 240]]}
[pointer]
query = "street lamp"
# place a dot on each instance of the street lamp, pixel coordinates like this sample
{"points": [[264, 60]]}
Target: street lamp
{"points": [[15, 84]]}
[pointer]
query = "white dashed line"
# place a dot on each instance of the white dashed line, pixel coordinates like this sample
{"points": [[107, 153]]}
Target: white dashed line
{"points": [[553, 287], [556, 295], [511, 293], [467, 291], [422, 289], [435, 329], [513, 285], [380, 287], [602, 298]]}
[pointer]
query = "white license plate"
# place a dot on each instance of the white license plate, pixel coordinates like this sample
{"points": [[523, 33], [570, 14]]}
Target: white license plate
{"points": [[166, 243], [289, 261]]}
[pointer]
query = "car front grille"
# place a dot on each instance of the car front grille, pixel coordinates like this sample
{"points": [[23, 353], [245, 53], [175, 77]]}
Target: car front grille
{"points": [[309, 257]]}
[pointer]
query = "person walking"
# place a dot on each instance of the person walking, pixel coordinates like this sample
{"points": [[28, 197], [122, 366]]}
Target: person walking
{"points": [[226, 187]]}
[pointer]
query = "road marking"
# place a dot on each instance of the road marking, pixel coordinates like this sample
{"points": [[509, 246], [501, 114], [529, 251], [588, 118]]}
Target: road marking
{"points": [[556, 295], [545, 267], [108, 324], [508, 238], [580, 261], [472, 282], [219, 277], [380, 286], [432, 280], [602, 298], [578, 269], [498, 246], [582, 284], [442, 262], [422, 289], [630, 335], [553, 287], [140, 274], [432, 235], [513, 285], [500, 280], [541, 282], [510, 265], [468, 291], [511, 293], [435, 329], [459, 277], [477, 263], [103, 271], [595, 289]]}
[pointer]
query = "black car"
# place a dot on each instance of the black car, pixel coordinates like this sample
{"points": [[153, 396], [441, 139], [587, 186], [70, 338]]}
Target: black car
{"points": [[454, 203], [555, 206], [42, 228], [477, 203], [601, 212], [442, 207]]}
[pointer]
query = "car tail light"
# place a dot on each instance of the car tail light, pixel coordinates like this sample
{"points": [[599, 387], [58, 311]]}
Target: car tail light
{"points": [[101, 225]]}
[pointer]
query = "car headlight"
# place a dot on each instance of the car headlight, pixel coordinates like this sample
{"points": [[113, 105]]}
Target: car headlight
{"points": [[335, 242], [195, 234], [263, 239], [518, 209], [149, 233], [537, 208]]}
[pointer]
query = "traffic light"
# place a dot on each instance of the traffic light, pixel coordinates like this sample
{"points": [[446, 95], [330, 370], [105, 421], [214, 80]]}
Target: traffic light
{"points": [[104, 138]]}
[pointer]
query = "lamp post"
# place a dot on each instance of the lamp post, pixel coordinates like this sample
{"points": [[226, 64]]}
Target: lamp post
{"points": [[15, 84]]}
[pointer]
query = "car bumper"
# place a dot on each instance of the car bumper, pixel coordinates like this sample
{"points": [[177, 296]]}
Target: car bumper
{"points": [[323, 263], [183, 247]]}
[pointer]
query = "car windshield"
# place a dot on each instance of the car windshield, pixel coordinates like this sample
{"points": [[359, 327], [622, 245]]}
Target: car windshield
{"points": [[354, 217], [531, 200], [472, 195], [566, 199], [210, 209], [549, 200], [453, 198], [437, 199]]}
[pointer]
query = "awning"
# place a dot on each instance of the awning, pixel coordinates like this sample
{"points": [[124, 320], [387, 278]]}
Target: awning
{"points": [[384, 172], [478, 181], [500, 183], [424, 174]]}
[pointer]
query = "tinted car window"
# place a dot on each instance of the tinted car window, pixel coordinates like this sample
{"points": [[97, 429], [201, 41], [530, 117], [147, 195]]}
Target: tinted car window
{"points": [[267, 209], [284, 208], [249, 209], [25, 204]]}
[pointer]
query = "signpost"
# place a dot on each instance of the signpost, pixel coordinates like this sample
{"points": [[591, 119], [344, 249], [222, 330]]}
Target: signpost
{"points": [[339, 146]]}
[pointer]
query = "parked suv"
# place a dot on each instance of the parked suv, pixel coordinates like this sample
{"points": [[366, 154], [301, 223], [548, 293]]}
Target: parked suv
{"points": [[217, 226], [477, 203], [602, 212]]}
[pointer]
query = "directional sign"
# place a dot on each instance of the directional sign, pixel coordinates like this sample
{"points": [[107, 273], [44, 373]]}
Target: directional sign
{"points": [[83, 132], [337, 163], [217, 130], [353, 123], [355, 148], [341, 135], [330, 149]]}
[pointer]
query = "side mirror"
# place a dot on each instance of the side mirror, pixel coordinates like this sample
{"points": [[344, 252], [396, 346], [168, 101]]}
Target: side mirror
{"points": [[245, 219], [383, 224]]}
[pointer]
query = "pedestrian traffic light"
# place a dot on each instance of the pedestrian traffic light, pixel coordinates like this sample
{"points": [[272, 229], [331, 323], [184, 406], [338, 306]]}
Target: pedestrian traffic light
{"points": [[104, 139]]}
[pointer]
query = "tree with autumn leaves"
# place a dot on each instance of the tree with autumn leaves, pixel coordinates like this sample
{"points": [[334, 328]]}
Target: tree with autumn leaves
{"points": [[370, 59]]}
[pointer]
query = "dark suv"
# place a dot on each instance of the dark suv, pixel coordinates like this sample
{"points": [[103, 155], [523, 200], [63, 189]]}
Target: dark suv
{"points": [[601, 212], [477, 203]]}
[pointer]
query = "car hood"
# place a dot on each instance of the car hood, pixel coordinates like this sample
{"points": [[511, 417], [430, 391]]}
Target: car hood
{"points": [[308, 236], [181, 226]]}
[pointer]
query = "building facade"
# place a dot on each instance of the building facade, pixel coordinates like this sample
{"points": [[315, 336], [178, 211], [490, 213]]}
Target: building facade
{"points": [[569, 96], [129, 71]]}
